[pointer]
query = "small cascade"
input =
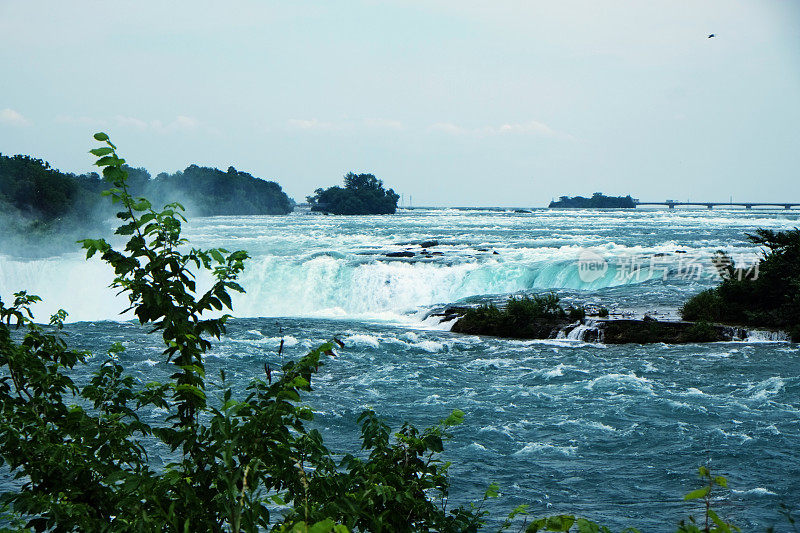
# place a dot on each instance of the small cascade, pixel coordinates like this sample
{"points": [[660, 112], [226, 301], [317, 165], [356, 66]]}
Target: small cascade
{"points": [[578, 332], [585, 331], [740, 334], [761, 335]]}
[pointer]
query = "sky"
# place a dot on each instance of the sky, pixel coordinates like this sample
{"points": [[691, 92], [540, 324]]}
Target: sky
{"points": [[451, 103]]}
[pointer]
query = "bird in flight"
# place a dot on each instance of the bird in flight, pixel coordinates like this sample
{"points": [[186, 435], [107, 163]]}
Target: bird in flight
{"points": [[710, 35]]}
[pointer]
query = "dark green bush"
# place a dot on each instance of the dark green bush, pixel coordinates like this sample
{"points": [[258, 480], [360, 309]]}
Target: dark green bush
{"points": [[706, 305], [767, 295], [528, 317], [576, 313]]}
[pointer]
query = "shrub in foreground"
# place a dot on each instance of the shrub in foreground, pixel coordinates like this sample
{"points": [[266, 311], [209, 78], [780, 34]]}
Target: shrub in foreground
{"points": [[81, 452]]}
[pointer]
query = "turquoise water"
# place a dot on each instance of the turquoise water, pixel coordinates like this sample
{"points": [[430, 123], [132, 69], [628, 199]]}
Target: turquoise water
{"points": [[610, 432]]}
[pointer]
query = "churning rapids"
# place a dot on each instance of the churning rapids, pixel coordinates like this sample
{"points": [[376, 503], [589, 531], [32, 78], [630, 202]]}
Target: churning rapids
{"points": [[614, 433]]}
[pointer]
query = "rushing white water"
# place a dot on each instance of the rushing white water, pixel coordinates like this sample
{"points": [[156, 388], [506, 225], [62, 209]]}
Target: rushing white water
{"points": [[315, 266]]}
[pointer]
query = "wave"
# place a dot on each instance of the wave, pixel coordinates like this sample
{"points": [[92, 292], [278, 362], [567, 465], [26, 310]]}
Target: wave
{"points": [[546, 448]]}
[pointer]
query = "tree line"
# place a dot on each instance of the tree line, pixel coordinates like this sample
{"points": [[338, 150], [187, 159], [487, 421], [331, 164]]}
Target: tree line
{"points": [[43, 194]]}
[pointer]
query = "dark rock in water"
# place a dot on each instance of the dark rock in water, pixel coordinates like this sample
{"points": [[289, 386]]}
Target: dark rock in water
{"points": [[494, 252], [429, 244], [399, 254], [521, 211], [680, 251], [437, 253], [652, 331], [614, 331], [545, 328], [482, 249], [648, 318], [451, 312]]}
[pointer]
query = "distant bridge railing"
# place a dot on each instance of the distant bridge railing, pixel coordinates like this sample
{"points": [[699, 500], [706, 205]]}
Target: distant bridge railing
{"points": [[709, 205]]}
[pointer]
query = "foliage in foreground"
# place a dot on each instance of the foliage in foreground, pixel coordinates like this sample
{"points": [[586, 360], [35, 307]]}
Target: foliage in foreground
{"points": [[767, 296], [80, 453], [362, 194]]}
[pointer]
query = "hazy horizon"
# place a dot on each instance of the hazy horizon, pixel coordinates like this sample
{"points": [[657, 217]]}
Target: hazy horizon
{"points": [[456, 104]]}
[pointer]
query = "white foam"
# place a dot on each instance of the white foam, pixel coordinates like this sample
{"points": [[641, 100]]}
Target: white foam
{"points": [[758, 491], [768, 387], [546, 448], [555, 372], [754, 335], [734, 435], [360, 339], [429, 346], [616, 381]]}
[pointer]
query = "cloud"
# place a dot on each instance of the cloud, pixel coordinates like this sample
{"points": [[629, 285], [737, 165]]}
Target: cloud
{"points": [[311, 125], [532, 127], [130, 122], [80, 121], [181, 123], [13, 118], [314, 124], [447, 127], [383, 124]]}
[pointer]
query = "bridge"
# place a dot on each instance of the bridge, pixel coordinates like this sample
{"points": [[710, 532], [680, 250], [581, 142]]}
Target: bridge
{"points": [[747, 205]]}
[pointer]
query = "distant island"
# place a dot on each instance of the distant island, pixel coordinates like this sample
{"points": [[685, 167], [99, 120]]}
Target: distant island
{"points": [[210, 191], [362, 194], [598, 200], [39, 202], [40, 192]]}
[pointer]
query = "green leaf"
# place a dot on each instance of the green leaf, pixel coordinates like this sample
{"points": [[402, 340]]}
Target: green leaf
{"points": [[192, 389], [493, 491], [521, 509], [455, 418], [322, 527], [100, 136], [723, 526], [587, 526], [551, 523], [101, 151], [142, 205], [300, 382], [696, 494], [216, 255], [109, 160], [721, 481]]}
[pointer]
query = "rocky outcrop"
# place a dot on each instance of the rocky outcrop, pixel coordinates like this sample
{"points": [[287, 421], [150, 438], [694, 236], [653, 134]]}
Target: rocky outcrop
{"points": [[615, 331]]}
